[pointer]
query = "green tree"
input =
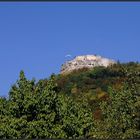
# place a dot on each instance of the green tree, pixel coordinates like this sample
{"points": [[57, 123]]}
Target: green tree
{"points": [[37, 110], [118, 116]]}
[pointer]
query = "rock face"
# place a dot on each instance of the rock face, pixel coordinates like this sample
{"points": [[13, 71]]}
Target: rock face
{"points": [[85, 61]]}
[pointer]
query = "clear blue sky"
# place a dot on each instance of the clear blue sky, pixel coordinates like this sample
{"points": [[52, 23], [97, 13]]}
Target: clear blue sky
{"points": [[35, 37]]}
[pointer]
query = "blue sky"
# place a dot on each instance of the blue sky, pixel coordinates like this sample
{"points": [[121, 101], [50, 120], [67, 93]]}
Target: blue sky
{"points": [[36, 37]]}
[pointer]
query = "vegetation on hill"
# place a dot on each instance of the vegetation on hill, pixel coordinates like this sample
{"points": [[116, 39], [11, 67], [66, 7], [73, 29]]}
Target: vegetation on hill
{"points": [[101, 103]]}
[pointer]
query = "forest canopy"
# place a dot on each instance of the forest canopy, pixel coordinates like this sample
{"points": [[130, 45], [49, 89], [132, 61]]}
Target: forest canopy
{"points": [[102, 103]]}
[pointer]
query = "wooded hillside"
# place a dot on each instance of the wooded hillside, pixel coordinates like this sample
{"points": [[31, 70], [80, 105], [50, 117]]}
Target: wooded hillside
{"points": [[99, 103]]}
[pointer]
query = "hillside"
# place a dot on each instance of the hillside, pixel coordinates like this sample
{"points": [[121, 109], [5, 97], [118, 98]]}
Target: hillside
{"points": [[94, 83], [100, 102]]}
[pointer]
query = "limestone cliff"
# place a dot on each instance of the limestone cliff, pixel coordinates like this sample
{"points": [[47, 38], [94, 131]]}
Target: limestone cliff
{"points": [[85, 61]]}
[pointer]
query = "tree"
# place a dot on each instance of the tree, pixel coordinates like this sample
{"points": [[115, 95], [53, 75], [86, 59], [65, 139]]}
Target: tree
{"points": [[22, 98], [37, 110], [118, 116]]}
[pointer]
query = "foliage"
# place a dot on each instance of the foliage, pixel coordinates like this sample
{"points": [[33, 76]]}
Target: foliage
{"points": [[36, 112], [102, 103], [119, 116]]}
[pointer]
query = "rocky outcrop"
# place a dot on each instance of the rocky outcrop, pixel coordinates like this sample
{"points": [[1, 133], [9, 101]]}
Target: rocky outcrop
{"points": [[85, 61]]}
